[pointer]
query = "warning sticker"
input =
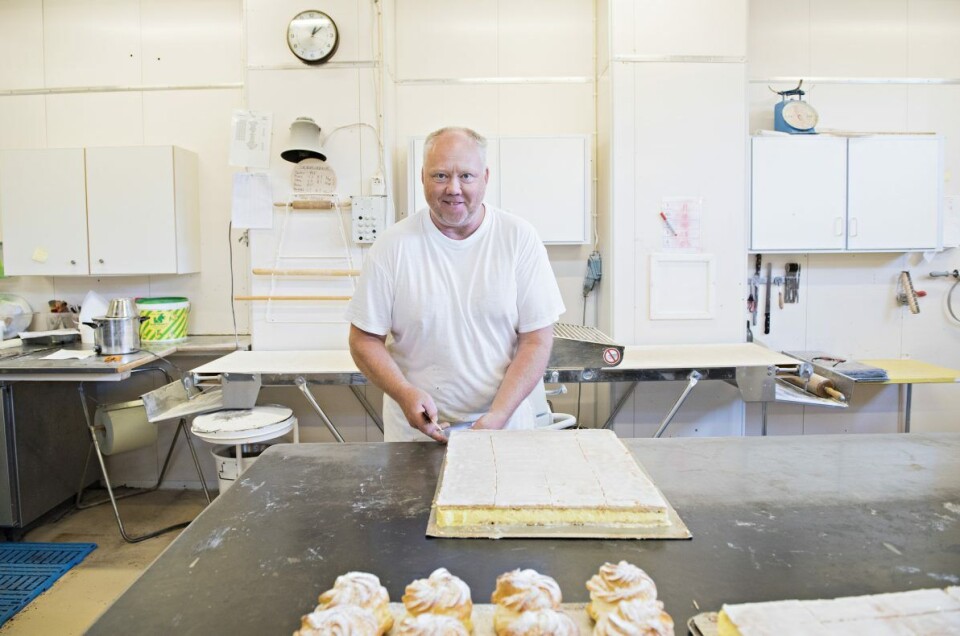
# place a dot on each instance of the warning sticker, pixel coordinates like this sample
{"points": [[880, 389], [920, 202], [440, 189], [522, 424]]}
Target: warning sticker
{"points": [[611, 356]]}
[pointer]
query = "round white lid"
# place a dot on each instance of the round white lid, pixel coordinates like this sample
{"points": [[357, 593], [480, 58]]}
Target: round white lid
{"points": [[241, 419]]}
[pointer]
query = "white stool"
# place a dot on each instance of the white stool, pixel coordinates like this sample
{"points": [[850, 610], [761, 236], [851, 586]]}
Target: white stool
{"points": [[238, 427]]}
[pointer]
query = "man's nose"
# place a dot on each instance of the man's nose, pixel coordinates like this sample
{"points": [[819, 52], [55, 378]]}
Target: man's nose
{"points": [[453, 186]]}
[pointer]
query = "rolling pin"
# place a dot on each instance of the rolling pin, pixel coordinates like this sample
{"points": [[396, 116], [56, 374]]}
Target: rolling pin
{"points": [[818, 385]]}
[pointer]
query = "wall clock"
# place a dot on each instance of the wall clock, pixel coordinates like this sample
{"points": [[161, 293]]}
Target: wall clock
{"points": [[312, 36]]}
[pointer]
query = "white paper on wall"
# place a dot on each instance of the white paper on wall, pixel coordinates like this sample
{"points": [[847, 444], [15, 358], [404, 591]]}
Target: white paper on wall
{"points": [[252, 202], [250, 139], [680, 218]]}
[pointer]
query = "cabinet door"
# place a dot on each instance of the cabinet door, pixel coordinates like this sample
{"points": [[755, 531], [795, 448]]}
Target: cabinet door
{"points": [[798, 193], [130, 206], [895, 193], [43, 210]]}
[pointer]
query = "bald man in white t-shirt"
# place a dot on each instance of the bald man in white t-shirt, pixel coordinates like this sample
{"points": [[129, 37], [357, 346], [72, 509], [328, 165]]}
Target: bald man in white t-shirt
{"points": [[453, 314]]}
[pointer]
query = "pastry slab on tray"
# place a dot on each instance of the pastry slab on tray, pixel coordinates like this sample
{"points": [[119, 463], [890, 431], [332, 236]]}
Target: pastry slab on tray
{"points": [[548, 484], [930, 612]]}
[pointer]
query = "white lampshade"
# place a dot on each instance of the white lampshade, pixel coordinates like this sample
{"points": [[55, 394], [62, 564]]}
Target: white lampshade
{"points": [[304, 141]]}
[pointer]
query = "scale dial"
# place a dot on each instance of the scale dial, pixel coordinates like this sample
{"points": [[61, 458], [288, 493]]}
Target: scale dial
{"points": [[800, 115], [312, 36]]}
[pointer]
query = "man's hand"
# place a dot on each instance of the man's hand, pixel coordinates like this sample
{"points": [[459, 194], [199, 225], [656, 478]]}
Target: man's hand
{"points": [[421, 413], [490, 421]]}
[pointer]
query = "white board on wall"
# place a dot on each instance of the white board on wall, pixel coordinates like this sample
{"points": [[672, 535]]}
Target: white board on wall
{"points": [[544, 180], [682, 286]]}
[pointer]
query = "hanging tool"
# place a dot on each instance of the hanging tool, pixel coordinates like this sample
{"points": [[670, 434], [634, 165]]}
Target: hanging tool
{"points": [[754, 291], [792, 283], [766, 307], [906, 294]]}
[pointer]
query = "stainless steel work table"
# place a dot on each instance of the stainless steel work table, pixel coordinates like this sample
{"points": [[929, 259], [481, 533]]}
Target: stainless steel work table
{"points": [[747, 365], [772, 518]]}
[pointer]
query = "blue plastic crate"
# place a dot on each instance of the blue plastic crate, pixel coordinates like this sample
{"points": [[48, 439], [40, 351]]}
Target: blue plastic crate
{"points": [[27, 569]]}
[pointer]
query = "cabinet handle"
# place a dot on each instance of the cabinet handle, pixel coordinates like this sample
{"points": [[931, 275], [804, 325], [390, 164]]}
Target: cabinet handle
{"points": [[854, 226], [838, 226], [101, 260], [73, 262]]}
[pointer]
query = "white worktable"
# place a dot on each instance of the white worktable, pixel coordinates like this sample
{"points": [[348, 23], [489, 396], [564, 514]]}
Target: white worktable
{"points": [[337, 364]]}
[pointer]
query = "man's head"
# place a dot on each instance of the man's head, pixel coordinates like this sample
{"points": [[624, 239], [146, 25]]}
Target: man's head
{"points": [[455, 176]]}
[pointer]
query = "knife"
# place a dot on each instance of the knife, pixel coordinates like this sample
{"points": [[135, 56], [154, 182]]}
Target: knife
{"points": [[458, 426], [766, 304]]}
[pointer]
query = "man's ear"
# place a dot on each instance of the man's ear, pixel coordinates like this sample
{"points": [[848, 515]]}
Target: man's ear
{"points": [[486, 174]]}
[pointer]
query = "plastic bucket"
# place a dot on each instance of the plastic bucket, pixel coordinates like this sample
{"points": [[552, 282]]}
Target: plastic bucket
{"points": [[225, 458], [166, 318]]}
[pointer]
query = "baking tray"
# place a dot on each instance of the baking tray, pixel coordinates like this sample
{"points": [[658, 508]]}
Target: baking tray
{"points": [[676, 530], [703, 624], [50, 338]]}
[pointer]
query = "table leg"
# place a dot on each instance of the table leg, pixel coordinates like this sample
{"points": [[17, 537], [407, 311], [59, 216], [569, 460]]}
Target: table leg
{"points": [[908, 402], [693, 378], [302, 385]]}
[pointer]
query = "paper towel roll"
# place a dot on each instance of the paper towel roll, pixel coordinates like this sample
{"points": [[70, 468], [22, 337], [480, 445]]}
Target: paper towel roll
{"points": [[123, 427]]}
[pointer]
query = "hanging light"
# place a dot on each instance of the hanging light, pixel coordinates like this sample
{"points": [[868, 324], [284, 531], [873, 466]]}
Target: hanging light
{"points": [[304, 141]]}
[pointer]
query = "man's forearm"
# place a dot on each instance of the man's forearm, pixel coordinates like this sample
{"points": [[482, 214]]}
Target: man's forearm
{"points": [[370, 353], [526, 369]]}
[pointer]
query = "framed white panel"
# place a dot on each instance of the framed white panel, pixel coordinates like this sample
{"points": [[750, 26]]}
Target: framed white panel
{"points": [[92, 43], [192, 42], [21, 47], [682, 286], [546, 181]]}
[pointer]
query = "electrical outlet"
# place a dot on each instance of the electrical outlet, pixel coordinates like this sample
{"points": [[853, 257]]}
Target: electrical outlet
{"points": [[378, 186], [369, 218]]}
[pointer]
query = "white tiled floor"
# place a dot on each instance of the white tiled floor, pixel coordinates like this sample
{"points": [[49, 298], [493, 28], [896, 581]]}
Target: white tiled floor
{"points": [[82, 594]]}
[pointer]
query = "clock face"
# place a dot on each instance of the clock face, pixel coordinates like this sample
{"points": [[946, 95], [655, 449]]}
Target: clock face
{"points": [[312, 36], [800, 115]]}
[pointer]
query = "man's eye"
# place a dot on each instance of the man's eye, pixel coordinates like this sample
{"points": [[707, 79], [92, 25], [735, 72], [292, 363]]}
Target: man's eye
{"points": [[440, 177], [466, 177]]}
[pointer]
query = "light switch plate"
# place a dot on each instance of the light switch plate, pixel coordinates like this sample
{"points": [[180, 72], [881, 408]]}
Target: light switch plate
{"points": [[369, 218]]}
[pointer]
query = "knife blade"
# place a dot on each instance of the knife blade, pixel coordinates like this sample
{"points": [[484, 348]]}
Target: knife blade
{"points": [[766, 304], [457, 426]]}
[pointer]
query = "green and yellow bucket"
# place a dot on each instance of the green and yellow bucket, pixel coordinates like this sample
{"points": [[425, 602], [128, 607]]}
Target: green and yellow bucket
{"points": [[166, 318]]}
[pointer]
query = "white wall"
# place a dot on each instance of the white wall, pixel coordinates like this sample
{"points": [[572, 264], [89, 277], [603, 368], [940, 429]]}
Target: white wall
{"points": [[888, 66], [106, 73]]}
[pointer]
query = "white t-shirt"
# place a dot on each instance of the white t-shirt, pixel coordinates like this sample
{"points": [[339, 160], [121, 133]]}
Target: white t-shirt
{"points": [[452, 310]]}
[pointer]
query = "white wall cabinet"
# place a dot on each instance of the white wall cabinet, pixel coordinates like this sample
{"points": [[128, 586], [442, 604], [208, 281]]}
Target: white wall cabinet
{"points": [[100, 211], [833, 194]]}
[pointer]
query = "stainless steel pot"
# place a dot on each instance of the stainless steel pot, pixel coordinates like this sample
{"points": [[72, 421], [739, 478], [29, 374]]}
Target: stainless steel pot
{"points": [[116, 336]]}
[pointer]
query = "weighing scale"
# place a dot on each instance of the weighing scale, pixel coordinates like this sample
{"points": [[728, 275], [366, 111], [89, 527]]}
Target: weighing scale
{"points": [[794, 116]]}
